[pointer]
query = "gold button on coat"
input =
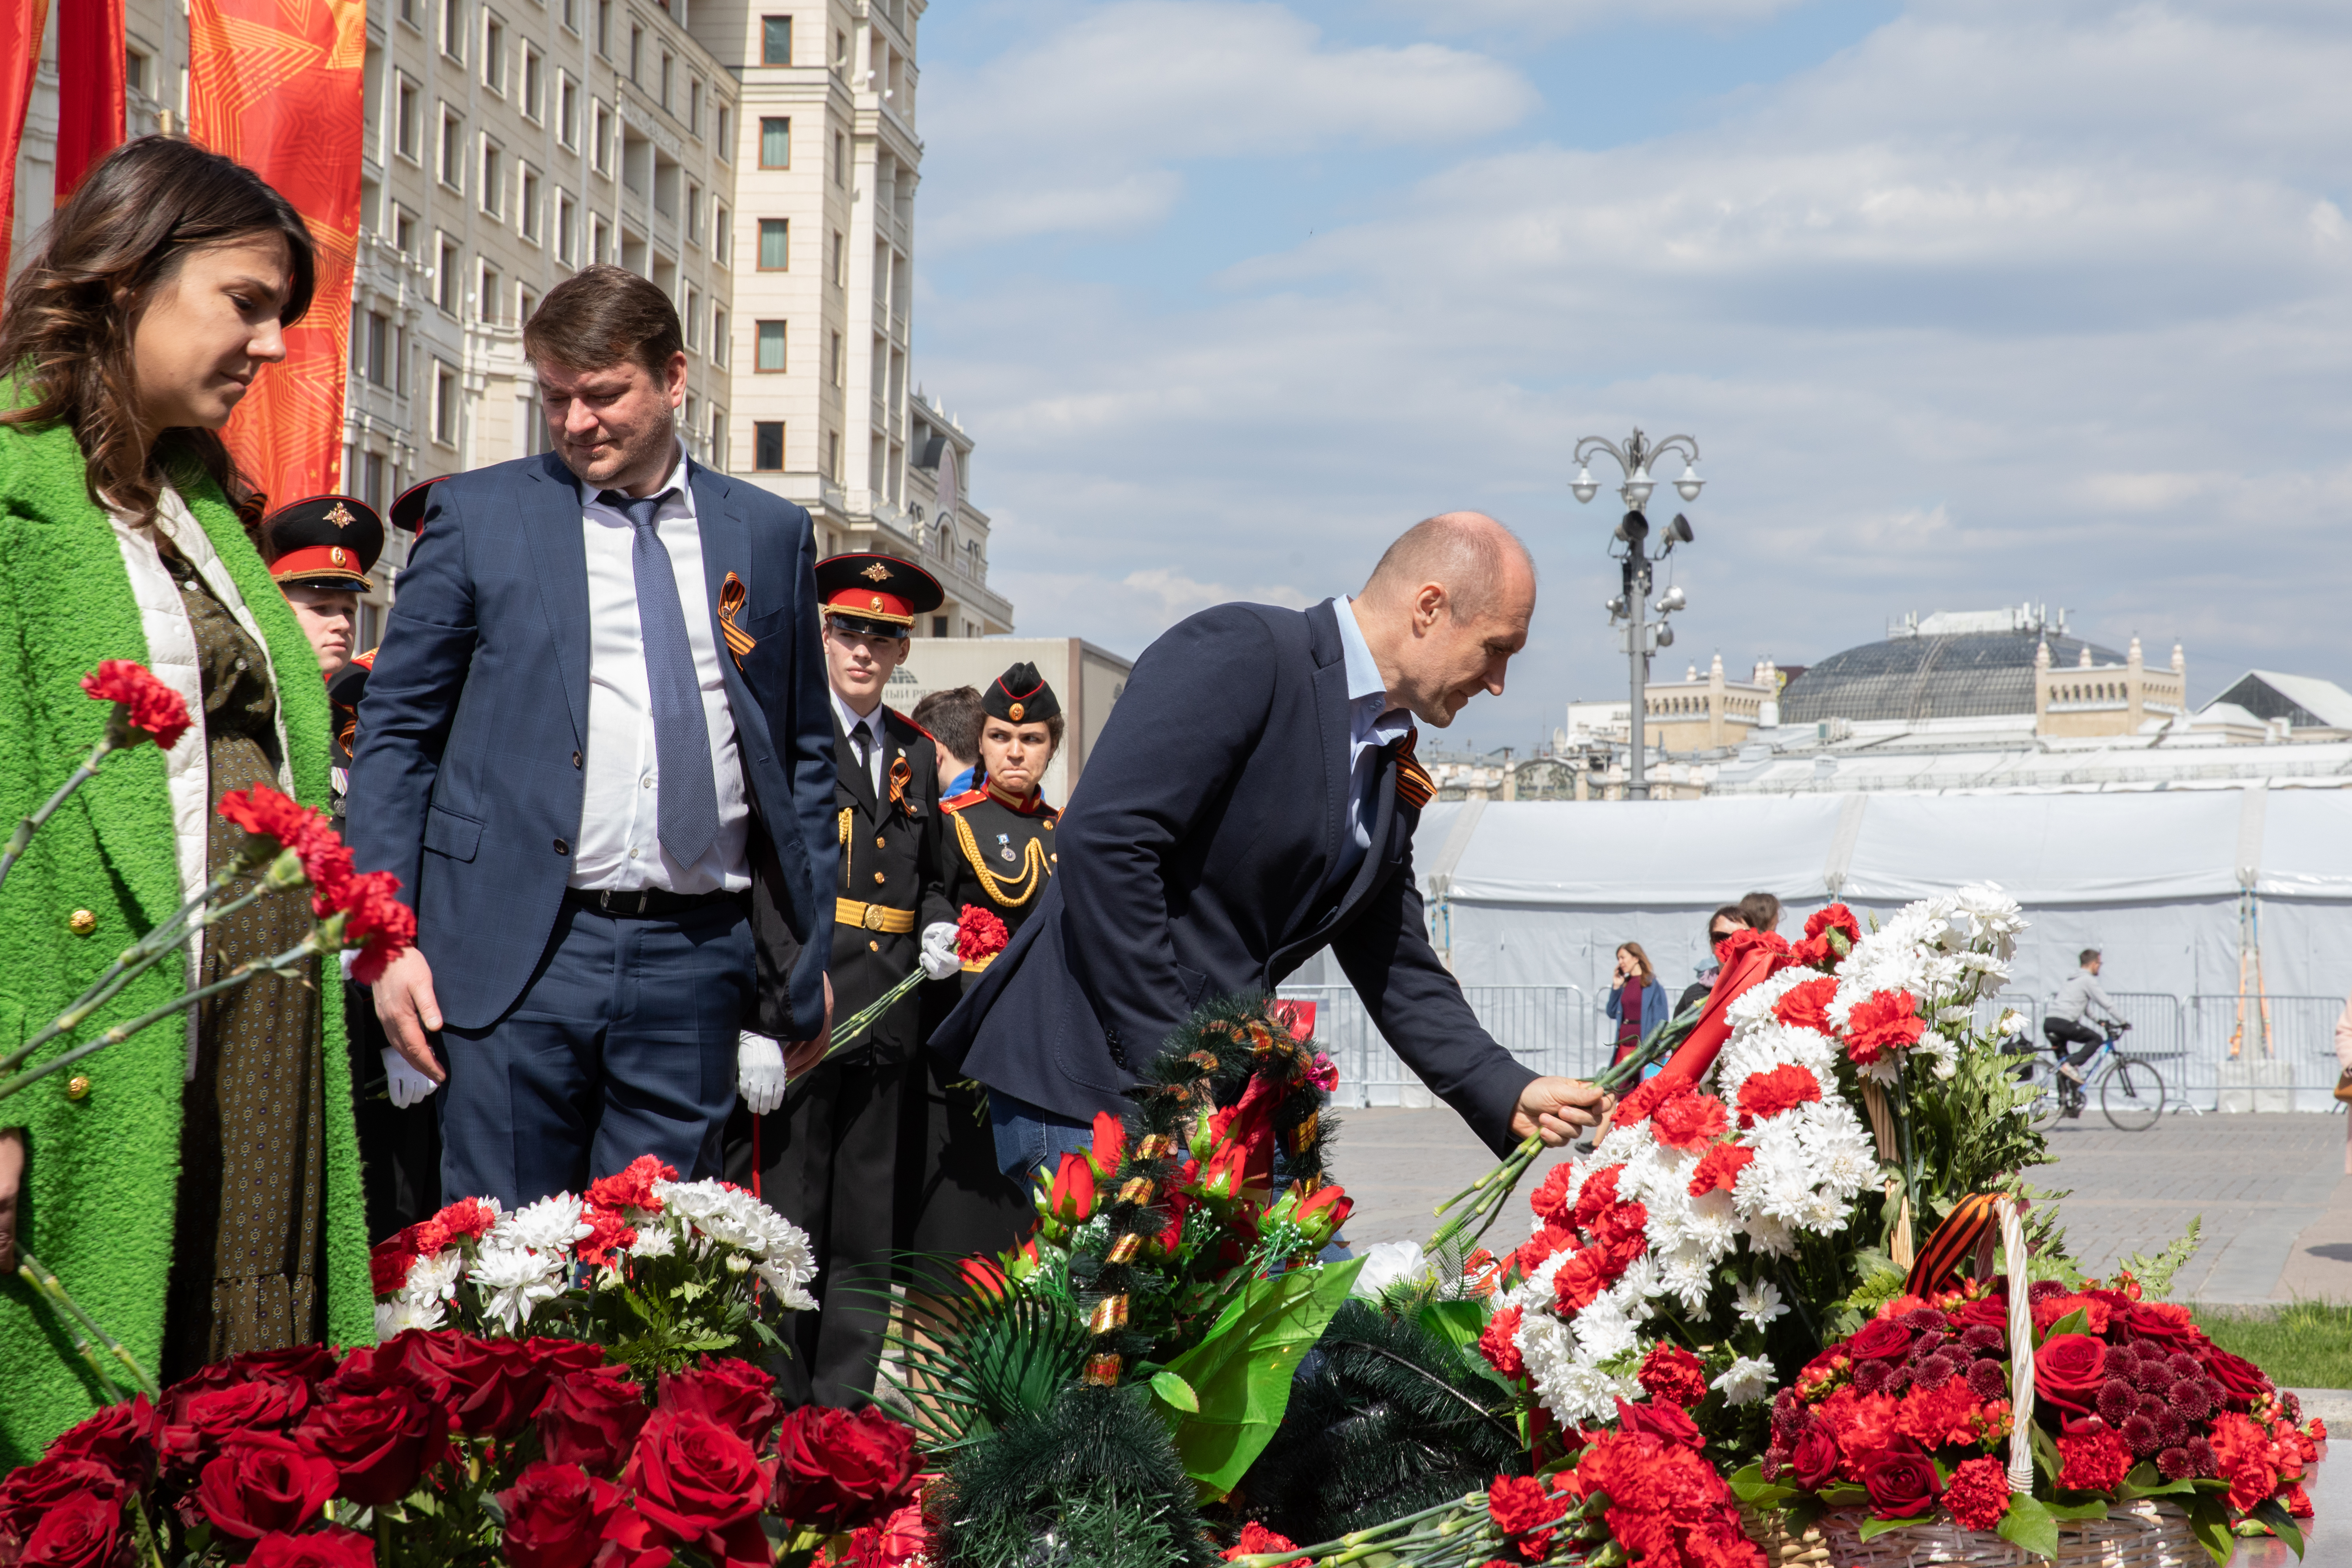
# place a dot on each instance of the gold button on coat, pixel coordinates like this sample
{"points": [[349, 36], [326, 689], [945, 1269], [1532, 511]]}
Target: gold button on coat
{"points": [[873, 947], [880, 843], [881, 877], [82, 923]]}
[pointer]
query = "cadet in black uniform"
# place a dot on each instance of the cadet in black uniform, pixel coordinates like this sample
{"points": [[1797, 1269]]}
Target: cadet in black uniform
{"points": [[998, 852], [321, 550], [829, 1158]]}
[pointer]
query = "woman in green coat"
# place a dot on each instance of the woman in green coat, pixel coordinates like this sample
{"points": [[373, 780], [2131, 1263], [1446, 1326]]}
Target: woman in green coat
{"points": [[195, 1188]]}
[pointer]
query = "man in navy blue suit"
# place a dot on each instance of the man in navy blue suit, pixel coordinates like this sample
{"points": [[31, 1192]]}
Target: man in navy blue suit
{"points": [[598, 702], [1251, 802]]}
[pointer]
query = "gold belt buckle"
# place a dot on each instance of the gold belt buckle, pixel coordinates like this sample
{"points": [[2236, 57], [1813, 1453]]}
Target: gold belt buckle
{"points": [[874, 913]]}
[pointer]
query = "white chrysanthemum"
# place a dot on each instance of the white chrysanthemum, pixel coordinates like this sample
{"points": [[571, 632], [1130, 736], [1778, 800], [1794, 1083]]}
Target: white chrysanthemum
{"points": [[1390, 1263], [1754, 1006], [435, 1279], [1759, 1303], [1940, 1054], [1603, 1330], [1745, 1381], [401, 1313], [1770, 1238], [1580, 1392], [790, 1267], [550, 1224], [514, 1280]]}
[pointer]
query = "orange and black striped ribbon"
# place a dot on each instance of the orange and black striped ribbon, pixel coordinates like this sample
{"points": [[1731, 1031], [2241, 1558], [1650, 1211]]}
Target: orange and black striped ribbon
{"points": [[731, 594], [1954, 1242], [1413, 784], [902, 778]]}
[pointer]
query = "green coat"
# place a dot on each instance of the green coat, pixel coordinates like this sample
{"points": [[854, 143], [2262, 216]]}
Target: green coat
{"points": [[103, 1171]]}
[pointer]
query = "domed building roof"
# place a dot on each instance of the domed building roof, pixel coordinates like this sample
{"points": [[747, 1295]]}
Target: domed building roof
{"points": [[1932, 674]]}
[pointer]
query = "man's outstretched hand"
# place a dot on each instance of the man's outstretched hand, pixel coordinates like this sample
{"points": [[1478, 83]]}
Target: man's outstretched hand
{"points": [[1558, 1109], [800, 1055]]}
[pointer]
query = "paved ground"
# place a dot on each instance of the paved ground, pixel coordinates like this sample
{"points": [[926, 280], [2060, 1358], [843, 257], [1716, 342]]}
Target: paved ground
{"points": [[2271, 1191]]}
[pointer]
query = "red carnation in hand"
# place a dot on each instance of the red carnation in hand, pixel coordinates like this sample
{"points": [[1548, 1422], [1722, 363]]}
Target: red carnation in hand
{"points": [[1978, 1494], [1807, 1006], [1690, 1121], [264, 813], [980, 935], [375, 921], [1719, 1167], [1497, 1343], [1768, 1094], [1888, 1021], [142, 702], [1255, 1538], [1673, 1376]]}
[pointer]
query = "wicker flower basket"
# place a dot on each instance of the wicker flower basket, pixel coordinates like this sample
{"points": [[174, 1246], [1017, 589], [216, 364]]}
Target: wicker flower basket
{"points": [[1769, 1529], [2143, 1534]]}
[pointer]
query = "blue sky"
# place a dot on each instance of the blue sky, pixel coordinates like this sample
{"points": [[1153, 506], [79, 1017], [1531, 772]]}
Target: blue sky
{"points": [[1967, 304]]}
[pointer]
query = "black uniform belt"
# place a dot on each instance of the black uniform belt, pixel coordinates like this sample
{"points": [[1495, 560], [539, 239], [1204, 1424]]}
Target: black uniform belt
{"points": [[644, 903]]}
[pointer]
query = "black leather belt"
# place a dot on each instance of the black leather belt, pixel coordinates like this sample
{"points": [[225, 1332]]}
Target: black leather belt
{"points": [[644, 903]]}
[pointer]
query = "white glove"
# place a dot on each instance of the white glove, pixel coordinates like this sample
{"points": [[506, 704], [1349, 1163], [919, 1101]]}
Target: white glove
{"points": [[940, 959], [759, 1072], [408, 1086]]}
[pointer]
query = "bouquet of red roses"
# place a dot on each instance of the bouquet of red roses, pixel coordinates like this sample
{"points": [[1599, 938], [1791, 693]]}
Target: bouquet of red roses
{"points": [[438, 1448], [2128, 1401]]}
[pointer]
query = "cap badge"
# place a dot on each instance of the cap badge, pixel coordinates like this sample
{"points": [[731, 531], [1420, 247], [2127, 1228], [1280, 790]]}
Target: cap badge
{"points": [[876, 604], [340, 515], [877, 572], [1014, 713], [337, 556]]}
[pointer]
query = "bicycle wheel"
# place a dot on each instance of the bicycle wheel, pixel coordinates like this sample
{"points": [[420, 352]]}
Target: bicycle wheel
{"points": [[2041, 1112], [2132, 1094]]}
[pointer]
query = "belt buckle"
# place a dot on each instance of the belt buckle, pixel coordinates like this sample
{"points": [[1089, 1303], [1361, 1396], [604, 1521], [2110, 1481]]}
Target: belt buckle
{"points": [[604, 901], [873, 921]]}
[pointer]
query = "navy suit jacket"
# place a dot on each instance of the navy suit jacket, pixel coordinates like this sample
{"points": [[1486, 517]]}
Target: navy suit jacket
{"points": [[468, 782], [1197, 860]]}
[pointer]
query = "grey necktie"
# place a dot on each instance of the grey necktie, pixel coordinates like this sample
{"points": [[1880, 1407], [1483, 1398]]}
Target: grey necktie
{"points": [[689, 795]]}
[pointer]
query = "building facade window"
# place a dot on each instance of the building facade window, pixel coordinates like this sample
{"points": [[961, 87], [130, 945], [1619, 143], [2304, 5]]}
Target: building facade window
{"points": [[694, 215], [694, 106], [444, 405], [599, 141], [528, 198], [453, 150], [840, 159], [768, 445], [597, 244], [833, 456], [444, 278], [494, 55], [775, 245], [775, 40], [726, 119], [664, 83], [453, 29], [775, 141], [770, 359], [637, 53], [835, 371], [567, 110], [718, 353], [486, 300], [534, 85], [605, 28], [405, 111], [566, 228], [494, 185], [693, 323], [838, 269], [719, 439], [722, 237]]}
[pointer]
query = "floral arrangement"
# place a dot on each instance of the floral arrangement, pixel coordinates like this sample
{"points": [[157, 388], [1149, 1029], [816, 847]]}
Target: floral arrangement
{"points": [[435, 1448], [2130, 1401], [660, 1269]]}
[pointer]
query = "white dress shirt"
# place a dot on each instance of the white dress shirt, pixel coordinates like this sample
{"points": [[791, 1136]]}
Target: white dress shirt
{"points": [[851, 722], [619, 844], [1374, 721]]}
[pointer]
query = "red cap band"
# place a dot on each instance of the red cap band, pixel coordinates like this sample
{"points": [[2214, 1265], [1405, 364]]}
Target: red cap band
{"points": [[872, 605], [314, 558]]}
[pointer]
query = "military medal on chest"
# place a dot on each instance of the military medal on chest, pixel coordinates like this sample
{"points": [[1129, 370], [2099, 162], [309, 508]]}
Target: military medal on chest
{"points": [[1005, 848]]}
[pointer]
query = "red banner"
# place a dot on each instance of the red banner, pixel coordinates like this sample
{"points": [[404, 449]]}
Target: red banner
{"points": [[21, 22], [89, 88], [276, 84]]}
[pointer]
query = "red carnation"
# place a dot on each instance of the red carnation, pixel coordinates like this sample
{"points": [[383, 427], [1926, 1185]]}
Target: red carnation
{"points": [[142, 702], [1524, 1507], [1691, 1120], [469, 1217], [1637, 1105], [1821, 947], [1807, 1006], [1597, 1193], [1978, 1494], [631, 1187], [264, 813], [1579, 1281], [333, 1547], [1719, 1167], [609, 1238], [1672, 1375], [1888, 1020], [1255, 1538], [1768, 1094], [1498, 1344], [2092, 1462], [1550, 1199], [375, 921], [980, 935]]}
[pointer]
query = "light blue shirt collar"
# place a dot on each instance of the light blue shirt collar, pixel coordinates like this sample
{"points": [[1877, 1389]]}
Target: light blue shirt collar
{"points": [[1367, 697]]}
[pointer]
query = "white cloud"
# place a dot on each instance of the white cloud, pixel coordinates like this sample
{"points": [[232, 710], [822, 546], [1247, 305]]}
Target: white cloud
{"points": [[1550, 18]]}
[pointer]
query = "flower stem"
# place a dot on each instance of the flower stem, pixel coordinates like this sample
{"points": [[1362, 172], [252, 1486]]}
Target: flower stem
{"points": [[20, 840], [845, 1034], [37, 1275]]}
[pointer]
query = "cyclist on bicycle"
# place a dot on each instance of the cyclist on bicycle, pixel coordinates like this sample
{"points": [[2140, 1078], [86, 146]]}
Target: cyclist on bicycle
{"points": [[2063, 1024]]}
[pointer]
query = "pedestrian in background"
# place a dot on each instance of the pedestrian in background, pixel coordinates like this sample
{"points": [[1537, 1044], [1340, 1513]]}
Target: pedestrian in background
{"points": [[1636, 1000], [1720, 925], [953, 719], [1760, 911], [2344, 1078]]}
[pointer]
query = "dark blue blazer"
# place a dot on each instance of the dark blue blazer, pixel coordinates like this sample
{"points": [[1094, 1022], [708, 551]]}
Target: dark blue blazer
{"points": [[466, 782], [1196, 861]]}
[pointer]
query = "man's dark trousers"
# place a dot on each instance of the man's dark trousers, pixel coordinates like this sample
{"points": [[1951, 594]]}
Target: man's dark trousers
{"points": [[2062, 1032], [623, 1044]]}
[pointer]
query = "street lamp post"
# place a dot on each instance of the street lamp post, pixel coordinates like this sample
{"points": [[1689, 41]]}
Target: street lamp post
{"points": [[1643, 636]]}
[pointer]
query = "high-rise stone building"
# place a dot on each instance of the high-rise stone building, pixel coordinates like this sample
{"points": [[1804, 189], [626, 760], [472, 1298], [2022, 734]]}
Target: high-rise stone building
{"points": [[758, 163]]}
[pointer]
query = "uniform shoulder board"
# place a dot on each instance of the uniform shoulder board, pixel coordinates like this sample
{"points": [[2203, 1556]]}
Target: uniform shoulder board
{"points": [[910, 724], [958, 802]]}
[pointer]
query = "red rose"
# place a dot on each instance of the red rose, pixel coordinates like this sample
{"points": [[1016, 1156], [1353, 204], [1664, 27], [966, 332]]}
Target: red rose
{"points": [[557, 1516], [2068, 1370], [1497, 1343], [1666, 1422], [592, 1419], [381, 1442], [1979, 1493], [1807, 1006], [1691, 1120], [1885, 1021], [1987, 1311], [2161, 1321], [840, 1470], [123, 1437], [30, 1495], [199, 1420], [263, 1483], [411, 1359], [1880, 1339], [1815, 1458], [1719, 1167], [1901, 1483], [143, 701], [1768, 1094], [735, 1393], [1673, 1374], [495, 1385], [1255, 1538], [2241, 1379], [2092, 1462], [333, 1547], [1071, 1197], [697, 1483], [83, 1531]]}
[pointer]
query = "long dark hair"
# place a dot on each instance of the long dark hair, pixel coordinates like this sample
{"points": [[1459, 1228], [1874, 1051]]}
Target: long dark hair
{"points": [[65, 333]]}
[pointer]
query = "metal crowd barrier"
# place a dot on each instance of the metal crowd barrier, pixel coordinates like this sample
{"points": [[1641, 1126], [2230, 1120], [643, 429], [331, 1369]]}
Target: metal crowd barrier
{"points": [[1549, 1028]]}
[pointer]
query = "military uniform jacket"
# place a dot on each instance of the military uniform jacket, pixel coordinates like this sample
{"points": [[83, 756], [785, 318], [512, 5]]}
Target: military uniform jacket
{"points": [[997, 856], [889, 876]]}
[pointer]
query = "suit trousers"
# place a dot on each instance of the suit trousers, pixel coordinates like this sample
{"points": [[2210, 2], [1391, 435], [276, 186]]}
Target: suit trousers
{"points": [[623, 1044]]}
